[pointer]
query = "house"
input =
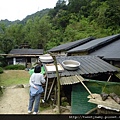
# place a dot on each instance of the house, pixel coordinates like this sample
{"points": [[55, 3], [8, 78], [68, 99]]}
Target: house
{"points": [[106, 48], [24, 56], [91, 67], [62, 49], [109, 53]]}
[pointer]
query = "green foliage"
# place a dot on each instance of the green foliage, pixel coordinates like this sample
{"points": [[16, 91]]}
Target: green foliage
{"points": [[107, 14], [61, 19], [41, 14], [1, 70], [15, 67], [6, 45], [7, 22], [3, 61], [65, 23]]}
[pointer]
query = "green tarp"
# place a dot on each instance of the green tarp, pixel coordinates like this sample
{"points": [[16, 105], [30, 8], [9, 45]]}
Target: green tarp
{"points": [[79, 100]]}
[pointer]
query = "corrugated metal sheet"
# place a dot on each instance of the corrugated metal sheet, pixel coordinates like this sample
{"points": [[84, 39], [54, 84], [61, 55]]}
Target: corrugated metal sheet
{"points": [[89, 65], [70, 80]]}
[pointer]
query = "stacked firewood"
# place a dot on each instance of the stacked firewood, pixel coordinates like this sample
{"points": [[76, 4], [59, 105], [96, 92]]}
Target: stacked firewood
{"points": [[115, 97]]}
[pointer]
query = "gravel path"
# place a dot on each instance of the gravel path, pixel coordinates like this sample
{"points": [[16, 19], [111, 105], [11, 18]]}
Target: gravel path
{"points": [[14, 101]]}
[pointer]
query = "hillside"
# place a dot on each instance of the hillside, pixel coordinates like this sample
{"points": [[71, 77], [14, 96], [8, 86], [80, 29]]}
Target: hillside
{"points": [[64, 23], [7, 22], [38, 13]]}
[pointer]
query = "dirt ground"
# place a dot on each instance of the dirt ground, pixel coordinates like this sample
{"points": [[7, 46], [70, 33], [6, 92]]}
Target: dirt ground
{"points": [[15, 101]]}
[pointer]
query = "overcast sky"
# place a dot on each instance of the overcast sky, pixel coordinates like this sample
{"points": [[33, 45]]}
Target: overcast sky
{"points": [[19, 9]]}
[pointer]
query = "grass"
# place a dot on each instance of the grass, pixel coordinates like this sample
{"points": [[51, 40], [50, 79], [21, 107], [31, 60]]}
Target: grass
{"points": [[14, 77]]}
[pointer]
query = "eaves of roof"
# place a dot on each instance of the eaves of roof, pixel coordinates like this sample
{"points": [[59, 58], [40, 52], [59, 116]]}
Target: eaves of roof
{"points": [[26, 51], [94, 44], [88, 65], [70, 45], [71, 80]]}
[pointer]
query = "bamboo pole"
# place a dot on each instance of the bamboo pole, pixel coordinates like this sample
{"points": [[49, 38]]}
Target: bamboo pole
{"points": [[85, 87], [91, 111], [107, 81], [58, 81]]}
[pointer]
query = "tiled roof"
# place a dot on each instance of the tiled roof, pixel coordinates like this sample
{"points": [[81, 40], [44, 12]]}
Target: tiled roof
{"points": [[89, 65], [109, 52], [71, 45], [94, 44], [26, 51]]}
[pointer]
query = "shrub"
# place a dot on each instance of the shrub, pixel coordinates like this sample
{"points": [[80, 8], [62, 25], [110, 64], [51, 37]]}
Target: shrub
{"points": [[1, 70], [15, 67]]}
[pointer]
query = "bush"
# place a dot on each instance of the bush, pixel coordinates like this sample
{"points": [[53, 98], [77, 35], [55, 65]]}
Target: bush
{"points": [[15, 67], [1, 70]]}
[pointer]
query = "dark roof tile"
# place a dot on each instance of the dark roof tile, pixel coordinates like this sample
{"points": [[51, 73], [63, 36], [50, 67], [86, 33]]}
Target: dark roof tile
{"points": [[70, 45], [109, 52], [26, 51], [94, 43]]}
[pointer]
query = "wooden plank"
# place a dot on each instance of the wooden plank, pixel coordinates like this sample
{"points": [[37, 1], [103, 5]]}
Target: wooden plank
{"points": [[46, 86], [51, 68], [109, 102]]}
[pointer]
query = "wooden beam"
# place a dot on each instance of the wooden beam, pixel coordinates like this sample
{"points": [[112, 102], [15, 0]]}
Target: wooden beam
{"points": [[46, 89], [51, 89], [86, 87]]}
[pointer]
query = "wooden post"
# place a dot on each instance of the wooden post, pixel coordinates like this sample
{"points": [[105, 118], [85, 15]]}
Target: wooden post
{"points": [[46, 86], [85, 87], [55, 96], [58, 82]]}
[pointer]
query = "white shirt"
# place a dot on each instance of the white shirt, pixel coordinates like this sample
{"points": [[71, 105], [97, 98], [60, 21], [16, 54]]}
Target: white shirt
{"points": [[36, 78]]}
